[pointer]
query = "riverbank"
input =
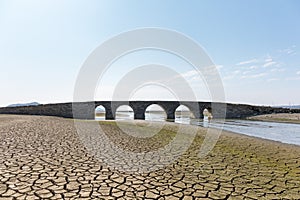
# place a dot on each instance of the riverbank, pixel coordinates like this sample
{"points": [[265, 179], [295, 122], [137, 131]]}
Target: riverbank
{"points": [[279, 117], [43, 157]]}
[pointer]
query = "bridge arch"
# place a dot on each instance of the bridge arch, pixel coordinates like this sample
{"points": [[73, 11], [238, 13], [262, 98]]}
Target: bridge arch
{"points": [[155, 112], [124, 112], [183, 114], [108, 109], [100, 112]]}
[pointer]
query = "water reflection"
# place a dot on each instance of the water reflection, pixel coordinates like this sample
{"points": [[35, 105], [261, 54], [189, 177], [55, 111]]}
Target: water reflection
{"points": [[125, 115], [182, 117], [155, 116], [283, 132], [120, 115], [124, 112], [155, 112]]}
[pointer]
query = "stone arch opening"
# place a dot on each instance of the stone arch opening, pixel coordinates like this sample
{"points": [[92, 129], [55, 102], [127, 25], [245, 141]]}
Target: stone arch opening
{"points": [[183, 114], [155, 112], [100, 113], [124, 112], [207, 116], [207, 111]]}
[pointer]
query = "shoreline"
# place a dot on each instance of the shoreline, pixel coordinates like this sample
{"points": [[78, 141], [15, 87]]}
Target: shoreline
{"points": [[256, 137], [262, 139], [245, 134], [19, 118], [293, 118], [274, 120], [171, 123]]}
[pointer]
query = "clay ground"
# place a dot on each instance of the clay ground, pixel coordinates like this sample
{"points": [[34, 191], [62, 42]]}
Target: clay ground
{"points": [[43, 158]]}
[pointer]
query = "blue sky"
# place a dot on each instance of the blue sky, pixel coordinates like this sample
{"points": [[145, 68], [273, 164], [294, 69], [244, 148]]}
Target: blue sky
{"points": [[255, 44]]}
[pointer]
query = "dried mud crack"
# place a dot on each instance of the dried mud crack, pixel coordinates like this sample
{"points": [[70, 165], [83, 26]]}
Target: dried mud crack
{"points": [[43, 158]]}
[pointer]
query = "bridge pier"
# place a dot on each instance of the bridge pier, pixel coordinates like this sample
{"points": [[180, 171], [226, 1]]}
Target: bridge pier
{"points": [[171, 113], [171, 116], [109, 115], [139, 113]]}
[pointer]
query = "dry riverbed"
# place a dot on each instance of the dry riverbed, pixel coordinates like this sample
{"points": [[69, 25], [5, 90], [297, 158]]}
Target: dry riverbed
{"points": [[43, 158]]}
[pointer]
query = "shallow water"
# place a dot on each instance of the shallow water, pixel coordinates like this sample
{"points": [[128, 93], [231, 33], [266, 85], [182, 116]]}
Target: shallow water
{"points": [[282, 132]]}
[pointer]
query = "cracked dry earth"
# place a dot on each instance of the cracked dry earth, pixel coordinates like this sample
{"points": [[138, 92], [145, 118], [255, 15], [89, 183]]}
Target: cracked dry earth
{"points": [[43, 158]]}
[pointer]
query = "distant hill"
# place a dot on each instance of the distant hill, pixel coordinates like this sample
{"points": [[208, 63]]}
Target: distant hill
{"points": [[24, 104], [292, 107]]}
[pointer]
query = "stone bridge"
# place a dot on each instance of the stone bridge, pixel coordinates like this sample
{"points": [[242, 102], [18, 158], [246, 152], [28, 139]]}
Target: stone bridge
{"points": [[86, 110]]}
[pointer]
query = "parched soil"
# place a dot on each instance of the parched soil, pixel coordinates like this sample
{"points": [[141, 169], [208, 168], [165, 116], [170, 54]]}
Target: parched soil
{"points": [[44, 158], [279, 117]]}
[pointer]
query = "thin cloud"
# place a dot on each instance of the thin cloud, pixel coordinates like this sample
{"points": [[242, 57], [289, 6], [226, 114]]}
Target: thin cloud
{"points": [[253, 67], [189, 74], [258, 75], [289, 51], [277, 70], [219, 67], [194, 75], [228, 77], [293, 78], [247, 62], [254, 76], [298, 72], [246, 72], [268, 64], [273, 79], [268, 60]]}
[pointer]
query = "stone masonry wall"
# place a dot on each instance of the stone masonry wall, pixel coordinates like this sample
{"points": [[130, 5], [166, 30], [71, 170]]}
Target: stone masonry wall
{"points": [[86, 110]]}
